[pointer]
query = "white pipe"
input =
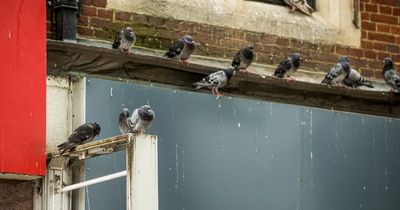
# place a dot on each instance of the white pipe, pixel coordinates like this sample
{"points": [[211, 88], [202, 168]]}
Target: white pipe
{"points": [[92, 181]]}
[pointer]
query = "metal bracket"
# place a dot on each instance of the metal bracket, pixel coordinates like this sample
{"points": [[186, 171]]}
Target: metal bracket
{"points": [[141, 172]]}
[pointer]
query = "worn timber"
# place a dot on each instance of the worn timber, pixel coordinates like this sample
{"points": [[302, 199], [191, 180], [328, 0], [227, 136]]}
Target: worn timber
{"points": [[95, 148], [149, 65]]}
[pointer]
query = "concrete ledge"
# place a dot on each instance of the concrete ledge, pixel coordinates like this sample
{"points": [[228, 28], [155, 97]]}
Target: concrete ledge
{"points": [[18, 176], [94, 57]]}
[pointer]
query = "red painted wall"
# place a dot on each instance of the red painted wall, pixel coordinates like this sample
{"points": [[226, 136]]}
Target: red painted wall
{"points": [[23, 87]]}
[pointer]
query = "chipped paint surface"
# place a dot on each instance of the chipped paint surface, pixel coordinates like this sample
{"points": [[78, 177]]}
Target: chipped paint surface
{"points": [[57, 112]]}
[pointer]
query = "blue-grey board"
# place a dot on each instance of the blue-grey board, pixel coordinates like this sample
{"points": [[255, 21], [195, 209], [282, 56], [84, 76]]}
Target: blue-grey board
{"points": [[237, 154]]}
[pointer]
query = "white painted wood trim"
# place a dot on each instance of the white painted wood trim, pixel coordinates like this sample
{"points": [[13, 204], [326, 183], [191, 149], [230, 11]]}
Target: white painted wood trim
{"points": [[142, 176]]}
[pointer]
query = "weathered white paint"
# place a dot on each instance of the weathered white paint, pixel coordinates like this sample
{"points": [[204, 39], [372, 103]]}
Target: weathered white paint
{"points": [[330, 24], [339, 14], [58, 115], [142, 177], [79, 117]]}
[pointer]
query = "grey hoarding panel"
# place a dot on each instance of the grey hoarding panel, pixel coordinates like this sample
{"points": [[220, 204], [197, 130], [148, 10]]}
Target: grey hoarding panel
{"points": [[236, 153]]}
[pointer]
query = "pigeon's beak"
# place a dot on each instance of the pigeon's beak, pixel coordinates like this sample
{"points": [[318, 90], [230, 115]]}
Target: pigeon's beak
{"points": [[196, 43]]}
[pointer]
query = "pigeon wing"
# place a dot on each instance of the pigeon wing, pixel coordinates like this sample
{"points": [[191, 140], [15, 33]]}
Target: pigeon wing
{"points": [[213, 80], [117, 40], [123, 121], [236, 60], [332, 74], [283, 68], [175, 49]]}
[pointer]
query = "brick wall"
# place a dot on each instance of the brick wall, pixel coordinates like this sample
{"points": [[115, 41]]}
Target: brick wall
{"points": [[16, 195], [380, 23]]}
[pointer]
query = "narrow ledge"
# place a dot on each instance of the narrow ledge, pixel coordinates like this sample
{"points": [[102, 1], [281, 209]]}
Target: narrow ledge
{"points": [[97, 58]]}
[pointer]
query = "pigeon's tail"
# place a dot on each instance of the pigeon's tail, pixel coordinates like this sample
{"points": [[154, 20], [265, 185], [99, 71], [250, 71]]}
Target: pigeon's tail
{"points": [[309, 8], [200, 84], [367, 83], [169, 54], [65, 147], [123, 121], [278, 74], [117, 41], [326, 81]]}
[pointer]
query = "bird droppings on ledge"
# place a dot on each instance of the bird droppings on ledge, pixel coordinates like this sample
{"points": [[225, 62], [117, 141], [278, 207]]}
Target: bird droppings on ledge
{"points": [[98, 58]]}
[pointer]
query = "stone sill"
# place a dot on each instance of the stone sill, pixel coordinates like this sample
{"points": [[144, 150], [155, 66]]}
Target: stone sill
{"points": [[97, 57]]}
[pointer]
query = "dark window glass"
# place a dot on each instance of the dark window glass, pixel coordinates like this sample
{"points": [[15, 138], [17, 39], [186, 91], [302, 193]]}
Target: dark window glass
{"points": [[281, 2]]}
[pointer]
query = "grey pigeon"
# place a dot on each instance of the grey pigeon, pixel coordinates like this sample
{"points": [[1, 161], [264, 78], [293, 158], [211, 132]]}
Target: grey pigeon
{"points": [[139, 122], [243, 59], [181, 50], [124, 40], [338, 72], [288, 66], [84, 133], [354, 79], [216, 80], [390, 75], [301, 5]]}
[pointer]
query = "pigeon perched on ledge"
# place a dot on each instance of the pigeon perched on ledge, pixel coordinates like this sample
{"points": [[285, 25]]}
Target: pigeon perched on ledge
{"points": [[288, 66], [301, 5], [338, 72], [216, 80], [354, 79], [124, 40], [243, 59], [182, 50], [139, 122], [84, 133], [390, 75]]}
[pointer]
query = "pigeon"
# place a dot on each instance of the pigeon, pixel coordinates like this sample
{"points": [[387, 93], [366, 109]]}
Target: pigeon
{"points": [[390, 76], [301, 5], [124, 40], [355, 79], [182, 50], [216, 80], [338, 72], [84, 133], [288, 66], [243, 59], [139, 122]]}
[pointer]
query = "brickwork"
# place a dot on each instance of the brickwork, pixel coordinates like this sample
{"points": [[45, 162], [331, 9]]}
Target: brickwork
{"points": [[16, 195], [380, 25]]}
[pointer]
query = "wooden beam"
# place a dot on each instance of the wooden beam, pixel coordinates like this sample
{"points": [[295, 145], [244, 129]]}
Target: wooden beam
{"points": [[115, 142], [63, 58]]}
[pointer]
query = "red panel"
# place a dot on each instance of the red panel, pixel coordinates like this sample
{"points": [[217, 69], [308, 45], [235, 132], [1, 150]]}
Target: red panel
{"points": [[23, 87]]}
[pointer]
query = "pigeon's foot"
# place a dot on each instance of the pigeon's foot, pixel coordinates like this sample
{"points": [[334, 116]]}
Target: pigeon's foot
{"points": [[186, 62], [245, 71], [218, 93], [341, 85], [289, 79], [213, 91], [125, 51]]}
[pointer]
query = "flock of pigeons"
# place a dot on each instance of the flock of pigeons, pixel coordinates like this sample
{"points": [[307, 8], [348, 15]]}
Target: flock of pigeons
{"points": [[341, 74]]}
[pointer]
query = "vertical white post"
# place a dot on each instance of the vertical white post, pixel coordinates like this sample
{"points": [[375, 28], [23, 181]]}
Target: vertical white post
{"points": [[142, 173], [78, 113], [55, 178]]}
